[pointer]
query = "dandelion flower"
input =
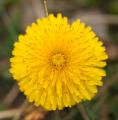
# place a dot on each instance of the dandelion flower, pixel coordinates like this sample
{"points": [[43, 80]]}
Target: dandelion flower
{"points": [[57, 64]]}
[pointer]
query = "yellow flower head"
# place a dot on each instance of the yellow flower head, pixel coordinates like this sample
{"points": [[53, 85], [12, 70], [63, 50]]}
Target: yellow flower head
{"points": [[58, 64]]}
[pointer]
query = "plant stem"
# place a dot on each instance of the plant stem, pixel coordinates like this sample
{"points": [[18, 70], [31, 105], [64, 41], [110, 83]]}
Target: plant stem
{"points": [[46, 8]]}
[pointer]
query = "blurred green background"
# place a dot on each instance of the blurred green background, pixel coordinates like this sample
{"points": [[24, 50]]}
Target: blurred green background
{"points": [[102, 15]]}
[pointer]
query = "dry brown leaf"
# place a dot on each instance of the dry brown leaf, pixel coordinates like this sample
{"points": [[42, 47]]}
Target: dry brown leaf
{"points": [[36, 115]]}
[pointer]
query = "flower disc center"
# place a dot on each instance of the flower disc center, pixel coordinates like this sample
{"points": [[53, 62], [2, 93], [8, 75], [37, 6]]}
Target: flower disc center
{"points": [[58, 60]]}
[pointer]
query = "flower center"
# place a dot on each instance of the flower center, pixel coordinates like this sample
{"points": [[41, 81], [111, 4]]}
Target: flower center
{"points": [[58, 60]]}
